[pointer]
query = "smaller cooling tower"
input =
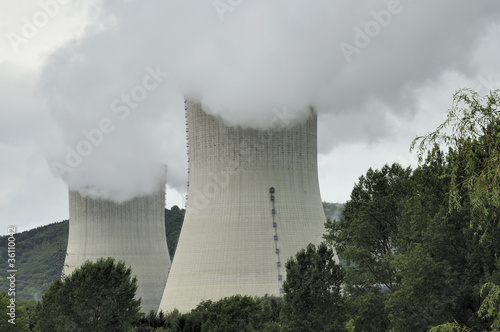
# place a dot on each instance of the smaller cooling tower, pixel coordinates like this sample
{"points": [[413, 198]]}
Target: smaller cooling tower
{"points": [[253, 203], [133, 232]]}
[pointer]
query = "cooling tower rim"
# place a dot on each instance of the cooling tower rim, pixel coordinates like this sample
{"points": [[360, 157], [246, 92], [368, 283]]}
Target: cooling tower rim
{"points": [[87, 192], [302, 119]]}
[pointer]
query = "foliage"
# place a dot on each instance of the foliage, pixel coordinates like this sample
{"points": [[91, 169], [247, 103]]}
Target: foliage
{"points": [[19, 320], [367, 238], [312, 291], [441, 264], [40, 255], [450, 327], [173, 320], [366, 235], [333, 210], [490, 308], [151, 321], [229, 314], [31, 310], [235, 313], [472, 130], [95, 297], [173, 224], [420, 248], [365, 311], [397, 232]]}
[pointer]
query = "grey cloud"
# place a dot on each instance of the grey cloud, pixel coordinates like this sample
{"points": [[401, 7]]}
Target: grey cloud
{"points": [[243, 64]]}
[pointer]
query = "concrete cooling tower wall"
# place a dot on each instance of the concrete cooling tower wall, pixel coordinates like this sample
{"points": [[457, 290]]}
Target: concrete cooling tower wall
{"points": [[133, 232], [253, 203]]}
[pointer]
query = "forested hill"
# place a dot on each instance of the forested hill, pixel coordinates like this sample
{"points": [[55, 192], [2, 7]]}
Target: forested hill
{"points": [[40, 252], [39, 258]]}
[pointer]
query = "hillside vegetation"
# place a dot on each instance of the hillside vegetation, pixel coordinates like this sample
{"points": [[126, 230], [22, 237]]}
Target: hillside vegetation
{"points": [[40, 252]]}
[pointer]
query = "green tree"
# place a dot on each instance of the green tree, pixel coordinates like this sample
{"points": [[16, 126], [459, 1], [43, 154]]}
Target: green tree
{"points": [[472, 129], [490, 308], [95, 297], [174, 320], [42, 253], [31, 307], [173, 224], [437, 253], [149, 322], [366, 235], [441, 264], [398, 232], [366, 311], [235, 313], [13, 320], [312, 291]]}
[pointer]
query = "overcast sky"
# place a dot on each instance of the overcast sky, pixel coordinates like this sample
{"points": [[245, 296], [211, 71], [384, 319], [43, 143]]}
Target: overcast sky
{"points": [[91, 93]]}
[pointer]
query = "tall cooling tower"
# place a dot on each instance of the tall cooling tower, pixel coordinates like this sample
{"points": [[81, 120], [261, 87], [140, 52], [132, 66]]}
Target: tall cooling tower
{"points": [[254, 202], [133, 232]]}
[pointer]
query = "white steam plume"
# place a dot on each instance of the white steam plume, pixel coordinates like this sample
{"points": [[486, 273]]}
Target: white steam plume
{"points": [[116, 93]]}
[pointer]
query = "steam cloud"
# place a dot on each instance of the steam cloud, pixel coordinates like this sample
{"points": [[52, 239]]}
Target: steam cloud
{"points": [[116, 94]]}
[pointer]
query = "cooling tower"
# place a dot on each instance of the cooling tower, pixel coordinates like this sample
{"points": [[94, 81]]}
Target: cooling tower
{"points": [[253, 202], [133, 232]]}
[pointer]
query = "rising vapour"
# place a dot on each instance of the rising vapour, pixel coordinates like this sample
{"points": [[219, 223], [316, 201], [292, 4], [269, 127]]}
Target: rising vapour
{"points": [[116, 93]]}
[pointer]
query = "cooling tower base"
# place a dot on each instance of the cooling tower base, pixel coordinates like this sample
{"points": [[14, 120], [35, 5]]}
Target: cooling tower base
{"points": [[133, 232], [253, 203]]}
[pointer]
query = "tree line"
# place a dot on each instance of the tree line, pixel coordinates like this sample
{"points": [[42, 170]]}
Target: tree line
{"points": [[419, 251]]}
